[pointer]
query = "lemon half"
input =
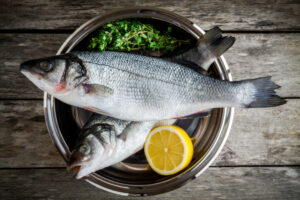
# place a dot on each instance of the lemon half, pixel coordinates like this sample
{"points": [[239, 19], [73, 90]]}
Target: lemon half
{"points": [[168, 149]]}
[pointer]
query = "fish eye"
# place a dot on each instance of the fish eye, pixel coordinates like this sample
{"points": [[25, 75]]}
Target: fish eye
{"points": [[46, 65], [85, 149]]}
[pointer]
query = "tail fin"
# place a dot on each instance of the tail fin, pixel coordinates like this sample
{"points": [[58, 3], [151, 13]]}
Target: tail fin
{"points": [[264, 93], [213, 45]]}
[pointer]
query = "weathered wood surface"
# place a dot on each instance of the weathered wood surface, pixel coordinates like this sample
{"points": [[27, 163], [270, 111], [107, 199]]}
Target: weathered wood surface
{"points": [[230, 15], [24, 139], [268, 136], [253, 55], [216, 183], [276, 55]]}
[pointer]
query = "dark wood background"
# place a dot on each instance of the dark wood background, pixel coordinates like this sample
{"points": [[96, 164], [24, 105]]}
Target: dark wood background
{"points": [[261, 159]]}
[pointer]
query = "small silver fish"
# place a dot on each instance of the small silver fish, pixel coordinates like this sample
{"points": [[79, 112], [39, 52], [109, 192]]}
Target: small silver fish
{"points": [[105, 141], [139, 88]]}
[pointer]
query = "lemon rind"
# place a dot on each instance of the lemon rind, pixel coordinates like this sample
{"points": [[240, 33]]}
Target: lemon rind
{"points": [[185, 156]]}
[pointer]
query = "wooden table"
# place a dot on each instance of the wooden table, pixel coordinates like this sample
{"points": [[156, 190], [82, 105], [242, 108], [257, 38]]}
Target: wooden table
{"points": [[261, 159]]}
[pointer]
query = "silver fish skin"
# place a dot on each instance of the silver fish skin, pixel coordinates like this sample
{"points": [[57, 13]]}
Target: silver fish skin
{"points": [[139, 88], [105, 141]]}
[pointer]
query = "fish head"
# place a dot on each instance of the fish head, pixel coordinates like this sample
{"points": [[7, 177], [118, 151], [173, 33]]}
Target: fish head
{"points": [[84, 158], [93, 152], [55, 75]]}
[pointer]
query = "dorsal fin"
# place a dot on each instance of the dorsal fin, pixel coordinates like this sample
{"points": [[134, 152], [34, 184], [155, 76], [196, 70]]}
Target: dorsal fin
{"points": [[212, 45]]}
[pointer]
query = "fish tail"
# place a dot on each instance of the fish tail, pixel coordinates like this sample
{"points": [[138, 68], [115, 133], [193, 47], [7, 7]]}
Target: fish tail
{"points": [[213, 45], [261, 92]]}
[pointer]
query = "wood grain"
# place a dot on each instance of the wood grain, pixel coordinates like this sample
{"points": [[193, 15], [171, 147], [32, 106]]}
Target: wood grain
{"points": [[264, 136], [24, 139], [276, 55], [230, 15], [268, 136], [253, 55], [216, 183]]}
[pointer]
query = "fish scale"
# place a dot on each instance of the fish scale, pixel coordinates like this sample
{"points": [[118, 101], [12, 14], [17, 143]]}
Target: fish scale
{"points": [[140, 88], [147, 67], [173, 88]]}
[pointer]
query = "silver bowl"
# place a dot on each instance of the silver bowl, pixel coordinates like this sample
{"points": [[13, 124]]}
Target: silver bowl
{"points": [[132, 176]]}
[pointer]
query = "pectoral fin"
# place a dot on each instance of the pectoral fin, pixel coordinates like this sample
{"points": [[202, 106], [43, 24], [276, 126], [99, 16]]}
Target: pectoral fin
{"points": [[100, 90]]}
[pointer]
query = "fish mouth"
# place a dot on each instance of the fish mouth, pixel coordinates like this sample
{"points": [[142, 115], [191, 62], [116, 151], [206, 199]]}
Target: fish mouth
{"points": [[30, 75], [76, 165], [74, 169], [25, 66], [29, 68]]}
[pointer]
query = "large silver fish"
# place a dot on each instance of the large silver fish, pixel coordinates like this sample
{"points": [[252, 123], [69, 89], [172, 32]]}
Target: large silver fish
{"points": [[139, 88], [105, 141]]}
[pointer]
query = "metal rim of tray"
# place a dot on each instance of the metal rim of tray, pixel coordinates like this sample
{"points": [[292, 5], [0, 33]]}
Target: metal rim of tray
{"points": [[179, 180]]}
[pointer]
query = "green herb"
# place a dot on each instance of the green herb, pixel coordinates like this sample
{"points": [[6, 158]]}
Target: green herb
{"points": [[133, 35]]}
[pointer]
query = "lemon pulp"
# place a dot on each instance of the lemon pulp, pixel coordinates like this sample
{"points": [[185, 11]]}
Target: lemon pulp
{"points": [[168, 149]]}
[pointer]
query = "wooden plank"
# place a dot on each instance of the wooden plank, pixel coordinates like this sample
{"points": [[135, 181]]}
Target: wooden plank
{"points": [[216, 183], [275, 55], [268, 136], [265, 136], [253, 55], [230, 15], [24, 139]]}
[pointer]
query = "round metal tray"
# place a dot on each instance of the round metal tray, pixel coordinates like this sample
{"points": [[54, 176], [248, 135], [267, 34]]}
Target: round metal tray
{"points": [[132, 176]]}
